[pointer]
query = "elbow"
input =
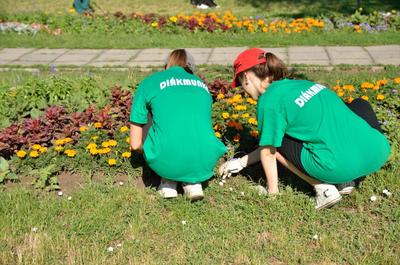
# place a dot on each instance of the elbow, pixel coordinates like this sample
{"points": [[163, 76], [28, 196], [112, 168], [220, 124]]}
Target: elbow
{"points": [[136, 146]]}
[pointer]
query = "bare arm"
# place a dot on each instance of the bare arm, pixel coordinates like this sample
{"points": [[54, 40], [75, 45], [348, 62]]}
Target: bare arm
{"points": [[138, 133], [268, 161], [251, 158]]}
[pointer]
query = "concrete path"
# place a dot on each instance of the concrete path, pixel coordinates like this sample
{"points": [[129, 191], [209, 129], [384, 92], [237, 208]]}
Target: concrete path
{"points": [[309, 55]]}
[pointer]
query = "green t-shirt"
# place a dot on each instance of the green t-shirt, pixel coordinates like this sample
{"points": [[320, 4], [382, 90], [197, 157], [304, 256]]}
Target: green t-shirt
{"points": [[181, 144], [338, 145]]}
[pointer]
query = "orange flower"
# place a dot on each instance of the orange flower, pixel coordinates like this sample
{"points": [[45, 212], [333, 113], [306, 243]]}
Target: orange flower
{"points": [[254, 133], [83, 128], [98, 125], [365, 97], [220, 96]]}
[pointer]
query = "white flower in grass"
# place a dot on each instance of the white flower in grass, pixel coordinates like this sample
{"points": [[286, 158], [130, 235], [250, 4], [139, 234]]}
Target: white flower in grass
{"points": [[230, 189], [315, 237], [183, 222], [60, 193], [34, 229], [242, 193], [121, 183], [373, 198], [221, 183], [119, 245], [386, 193], [69, 198], [110, 249]]}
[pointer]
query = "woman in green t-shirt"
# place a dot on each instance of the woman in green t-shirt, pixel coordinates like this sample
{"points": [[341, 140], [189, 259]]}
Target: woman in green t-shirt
{"points": [[308, 129], [171, 123]]}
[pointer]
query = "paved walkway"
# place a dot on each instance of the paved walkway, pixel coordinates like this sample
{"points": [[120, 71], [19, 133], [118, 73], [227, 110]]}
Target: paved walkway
{"points": [[309, 55]]}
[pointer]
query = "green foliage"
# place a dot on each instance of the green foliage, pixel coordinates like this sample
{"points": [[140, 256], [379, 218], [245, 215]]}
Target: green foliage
{"points": [[34, 96]]}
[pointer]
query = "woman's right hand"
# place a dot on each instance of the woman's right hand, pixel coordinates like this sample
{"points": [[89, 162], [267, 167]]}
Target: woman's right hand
{"points": [[231, 166]]}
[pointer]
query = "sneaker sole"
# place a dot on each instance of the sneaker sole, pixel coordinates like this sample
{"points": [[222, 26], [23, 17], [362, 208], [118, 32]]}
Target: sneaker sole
{"points": [[330, 204], [196, 197], [346, 191], [170, 196]]}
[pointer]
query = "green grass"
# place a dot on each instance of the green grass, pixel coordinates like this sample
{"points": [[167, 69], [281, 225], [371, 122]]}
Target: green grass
{"points": [[225, 228], [200, 39], [240, 7]]}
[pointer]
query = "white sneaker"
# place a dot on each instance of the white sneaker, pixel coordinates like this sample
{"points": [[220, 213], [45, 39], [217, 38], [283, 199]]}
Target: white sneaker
{"points": [[194, 192], [202, 6], [326, 195], [167, 189], [346, 188]]}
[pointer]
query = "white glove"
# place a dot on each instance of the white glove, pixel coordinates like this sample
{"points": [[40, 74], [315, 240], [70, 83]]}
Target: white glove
{"points": [[231, 166]]}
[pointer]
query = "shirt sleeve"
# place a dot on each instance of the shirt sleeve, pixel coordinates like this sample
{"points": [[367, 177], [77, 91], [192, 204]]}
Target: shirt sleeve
{"points": [[271, 127], [139, 109]]}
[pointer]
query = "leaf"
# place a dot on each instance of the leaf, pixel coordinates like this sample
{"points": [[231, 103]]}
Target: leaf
{"points": [[35, 113], [3, 165]]}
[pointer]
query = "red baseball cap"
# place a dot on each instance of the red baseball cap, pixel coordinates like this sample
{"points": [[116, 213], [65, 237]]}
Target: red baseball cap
{"points": [[247, 60]]}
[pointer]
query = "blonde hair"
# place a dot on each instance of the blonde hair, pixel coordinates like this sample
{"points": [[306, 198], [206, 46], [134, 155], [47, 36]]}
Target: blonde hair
{"points": [[180, 57]]}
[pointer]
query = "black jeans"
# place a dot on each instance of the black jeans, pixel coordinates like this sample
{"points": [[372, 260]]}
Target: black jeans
{"points": [[291, 147]]}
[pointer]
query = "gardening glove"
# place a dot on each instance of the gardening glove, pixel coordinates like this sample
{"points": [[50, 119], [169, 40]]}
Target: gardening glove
{"points": [[231, 166]]}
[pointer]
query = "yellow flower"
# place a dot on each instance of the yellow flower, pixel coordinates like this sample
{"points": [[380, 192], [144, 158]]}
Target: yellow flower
{"points": [[104, 151], [36, 147], [154, 24], [252, 121], [34, 154], [381, 82], [98, 125], [83, 128], [70, 152], [105, 144], [245, 115], [21, 153], [67, 140], [235, 116], [241, 107], [71, 10], [380, 97], [340, 93], [264, 29], [126, 154], [220, 96], [95, 137], [251, 101], [42, 149], [366, 85], [365, 98], [58, 148], [94, 151], [348, 87], [218, 134], [112, 162], [396, 80], [173, 19], [91, 145], [124, 129], [128, 140], [59, 142], [112, 143], [225, 115]]}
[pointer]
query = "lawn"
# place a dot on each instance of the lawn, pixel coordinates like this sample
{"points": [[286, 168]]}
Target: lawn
{"points": [[106, 216], [173, 24], [240, 7]]}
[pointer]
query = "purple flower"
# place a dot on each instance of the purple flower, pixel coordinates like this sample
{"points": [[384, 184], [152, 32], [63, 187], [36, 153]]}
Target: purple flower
{"points": [[394, 91]]}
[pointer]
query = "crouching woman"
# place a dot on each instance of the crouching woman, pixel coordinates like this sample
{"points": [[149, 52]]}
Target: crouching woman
{"points": [[308, 129], [171, 123]]}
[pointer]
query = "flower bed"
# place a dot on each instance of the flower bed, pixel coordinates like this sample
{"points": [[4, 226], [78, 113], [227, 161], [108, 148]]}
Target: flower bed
{"points": [[210, 22], [99, 137]]}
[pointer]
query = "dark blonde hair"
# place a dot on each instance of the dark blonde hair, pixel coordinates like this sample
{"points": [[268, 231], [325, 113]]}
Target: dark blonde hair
{"points": [[274, 68], [178, 57]]}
